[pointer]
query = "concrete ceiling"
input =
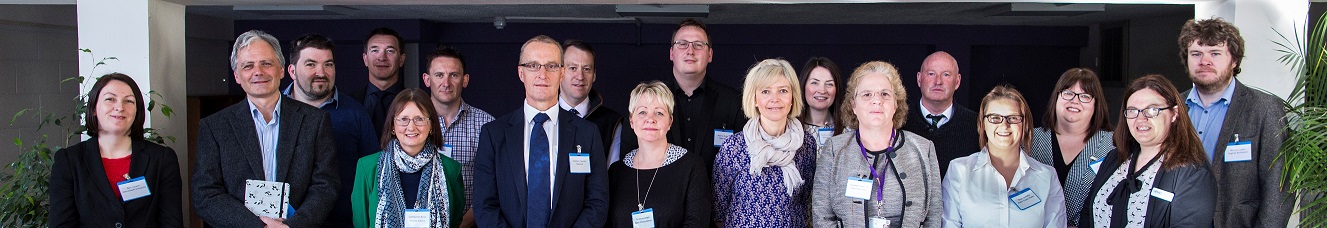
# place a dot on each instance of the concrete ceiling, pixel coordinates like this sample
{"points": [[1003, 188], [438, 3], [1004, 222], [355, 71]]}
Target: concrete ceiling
{"points": [[968, 13]]}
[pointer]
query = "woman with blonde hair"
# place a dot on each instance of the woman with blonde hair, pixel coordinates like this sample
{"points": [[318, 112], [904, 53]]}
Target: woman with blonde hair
{"points": [[762, 174], [681, 197], [875, 174]]}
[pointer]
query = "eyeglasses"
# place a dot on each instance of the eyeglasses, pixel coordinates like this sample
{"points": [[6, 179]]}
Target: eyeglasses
{"points": [[405, 121], [1082, 97], [1132, 113], [533, 67], [999, 119], [868, 95], [694, 45], [585, 68]]}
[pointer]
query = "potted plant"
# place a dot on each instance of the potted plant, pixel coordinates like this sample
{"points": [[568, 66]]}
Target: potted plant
{"points": [[1305, 150]]}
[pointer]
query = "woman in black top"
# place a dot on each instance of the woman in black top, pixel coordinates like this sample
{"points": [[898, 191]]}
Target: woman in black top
{"points": [[115, 179], [659, 184]]}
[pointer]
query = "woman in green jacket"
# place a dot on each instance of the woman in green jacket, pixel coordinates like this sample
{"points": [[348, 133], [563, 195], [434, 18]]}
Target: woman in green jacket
{"points": [[410, 183]]}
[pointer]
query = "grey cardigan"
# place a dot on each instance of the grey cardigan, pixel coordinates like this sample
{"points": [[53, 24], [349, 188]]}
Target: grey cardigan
{"points": [[1079, 181], [841, 158]]}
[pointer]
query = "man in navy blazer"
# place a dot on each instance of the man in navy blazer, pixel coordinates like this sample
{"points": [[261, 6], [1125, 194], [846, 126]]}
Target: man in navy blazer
{"points": [[265, 137], [540, 166]]}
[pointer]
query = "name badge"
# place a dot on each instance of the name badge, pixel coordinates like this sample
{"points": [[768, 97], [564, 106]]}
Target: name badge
{"points": [[133, 189], [1096, 164], [1025, 199], [721, 135], [447, 150], [858, 188], [643, 218], [879, 223], [580, 162], [417, 218], [823, 134], [1163, 194], [1240, 151]]}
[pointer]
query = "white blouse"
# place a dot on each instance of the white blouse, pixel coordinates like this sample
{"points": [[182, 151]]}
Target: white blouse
{"points": [[1102, 212], [975, 194]]}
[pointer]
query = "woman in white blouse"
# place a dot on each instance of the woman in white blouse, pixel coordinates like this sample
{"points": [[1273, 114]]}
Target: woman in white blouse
{"points": [[1001, 186]]}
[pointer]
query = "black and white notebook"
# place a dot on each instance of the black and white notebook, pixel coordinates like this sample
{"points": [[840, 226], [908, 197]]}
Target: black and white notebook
{"points": [[268, 198]]}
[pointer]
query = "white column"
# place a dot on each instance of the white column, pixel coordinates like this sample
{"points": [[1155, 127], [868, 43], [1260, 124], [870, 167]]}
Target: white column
{"points": [[147, 36], [1258, 22]]}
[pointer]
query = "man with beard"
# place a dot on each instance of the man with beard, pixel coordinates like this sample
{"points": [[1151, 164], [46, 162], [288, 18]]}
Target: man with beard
{"points": [[952, 127], [1242, 129], [578, 96], [384, 57], [314, 73]]}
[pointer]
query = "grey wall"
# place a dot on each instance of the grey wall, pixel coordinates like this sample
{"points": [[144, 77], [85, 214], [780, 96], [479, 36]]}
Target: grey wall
{"points": [[39, 44]]}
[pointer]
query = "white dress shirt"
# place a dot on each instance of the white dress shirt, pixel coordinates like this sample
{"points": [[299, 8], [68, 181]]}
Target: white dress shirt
{"points": [[551, 128], [949, 113], [975, 194]]}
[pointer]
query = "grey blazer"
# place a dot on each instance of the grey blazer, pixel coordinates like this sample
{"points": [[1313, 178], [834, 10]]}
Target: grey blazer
{"points": [[1257, 117], [229, 153], [1080, 175], [841, 158]]}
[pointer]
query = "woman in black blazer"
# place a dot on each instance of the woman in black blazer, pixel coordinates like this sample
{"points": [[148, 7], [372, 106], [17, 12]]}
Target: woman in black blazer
{"points": [[1158, 175], [116, 178]]}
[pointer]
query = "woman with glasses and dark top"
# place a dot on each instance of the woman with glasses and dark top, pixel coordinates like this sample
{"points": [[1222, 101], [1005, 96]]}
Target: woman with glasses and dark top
{"points": [[1000, 186], [874, 174], [1075, 135], [410, 183], [681, 196], [116, 178], [1158, 176], [823, 88]]}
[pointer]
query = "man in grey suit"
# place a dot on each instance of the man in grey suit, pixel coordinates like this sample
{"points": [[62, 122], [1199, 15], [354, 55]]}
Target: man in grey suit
{"points": [[265, 137], [1241, 128]]}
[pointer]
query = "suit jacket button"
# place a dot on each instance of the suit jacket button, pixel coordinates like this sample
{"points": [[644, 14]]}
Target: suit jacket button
{"points": [[118, 225], [907, 203], [902, 175]]}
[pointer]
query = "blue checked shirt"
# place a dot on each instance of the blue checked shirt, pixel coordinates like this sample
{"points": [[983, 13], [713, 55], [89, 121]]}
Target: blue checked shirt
{"points": [[463, 135]]}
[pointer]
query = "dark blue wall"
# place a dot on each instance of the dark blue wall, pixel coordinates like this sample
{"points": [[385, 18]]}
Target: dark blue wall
{"points": [[1031, 58]]}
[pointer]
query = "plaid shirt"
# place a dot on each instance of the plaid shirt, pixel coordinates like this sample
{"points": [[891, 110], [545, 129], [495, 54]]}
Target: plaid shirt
{"points": [[463, 135]]}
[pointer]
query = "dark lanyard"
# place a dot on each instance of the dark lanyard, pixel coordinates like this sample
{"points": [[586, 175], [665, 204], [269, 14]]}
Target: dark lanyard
{"points": [[880, 175]]}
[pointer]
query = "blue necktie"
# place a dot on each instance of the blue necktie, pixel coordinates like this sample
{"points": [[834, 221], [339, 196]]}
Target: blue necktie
{"points": [[536, 194]]}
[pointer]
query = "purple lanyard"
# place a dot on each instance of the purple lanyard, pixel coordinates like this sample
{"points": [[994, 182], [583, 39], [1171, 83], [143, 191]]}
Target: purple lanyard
{"points": [[880, 192]]}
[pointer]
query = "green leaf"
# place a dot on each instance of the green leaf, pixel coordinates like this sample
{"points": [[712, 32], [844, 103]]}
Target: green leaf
{"points": [[18, 142], [151, 104], [166, 110], [16, 115]]}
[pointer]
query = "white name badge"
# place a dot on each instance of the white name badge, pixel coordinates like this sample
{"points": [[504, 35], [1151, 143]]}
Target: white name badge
{"points": [[133, 189], [643, 218], [1239, 151], [447, 150], [417, 218], [580, 162], [1025, 199], [879, 223], [1163, 194], [823, 134], [1096, 164], [858, 188], [721, 135]]}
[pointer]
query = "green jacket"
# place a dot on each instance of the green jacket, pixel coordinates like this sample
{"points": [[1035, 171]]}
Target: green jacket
{"points": [[364, 198]]}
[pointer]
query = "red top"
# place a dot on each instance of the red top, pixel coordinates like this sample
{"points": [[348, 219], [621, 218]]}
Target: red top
{"points": [[116, 170]]}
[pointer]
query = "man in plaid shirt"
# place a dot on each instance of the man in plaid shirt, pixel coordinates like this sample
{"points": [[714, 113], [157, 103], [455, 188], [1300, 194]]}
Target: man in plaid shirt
{"points": [[461, 122]]}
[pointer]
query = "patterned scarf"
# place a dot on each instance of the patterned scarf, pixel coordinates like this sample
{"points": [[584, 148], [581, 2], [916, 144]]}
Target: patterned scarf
{"points": [[432, 192], [775, 151]]}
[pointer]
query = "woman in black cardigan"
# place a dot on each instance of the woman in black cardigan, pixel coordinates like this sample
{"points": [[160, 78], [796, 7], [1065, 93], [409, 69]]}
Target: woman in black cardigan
{"points": [[1158, 176], [115, 179]]}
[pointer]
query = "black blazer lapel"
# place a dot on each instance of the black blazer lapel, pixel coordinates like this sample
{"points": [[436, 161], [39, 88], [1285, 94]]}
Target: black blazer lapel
{"points": [[241, 122], [1158, 210], [513, 155], [566, 139], [292, 121], [92, 158]]}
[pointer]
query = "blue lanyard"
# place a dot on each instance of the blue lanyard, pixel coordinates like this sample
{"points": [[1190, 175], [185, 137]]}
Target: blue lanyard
{"points": [[880, 191]]}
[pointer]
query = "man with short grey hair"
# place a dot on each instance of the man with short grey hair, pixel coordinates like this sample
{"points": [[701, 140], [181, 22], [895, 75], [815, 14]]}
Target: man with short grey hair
{"points": [[266, 137]]}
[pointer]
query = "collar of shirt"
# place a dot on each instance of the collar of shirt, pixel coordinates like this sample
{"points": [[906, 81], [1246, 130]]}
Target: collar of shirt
{"points": [[395, 88], [583, 108], [336, 96], [462, 111], [530, 111], [1226, 95], [949, 113], [677, 88], [984, 162], [258, 115]]}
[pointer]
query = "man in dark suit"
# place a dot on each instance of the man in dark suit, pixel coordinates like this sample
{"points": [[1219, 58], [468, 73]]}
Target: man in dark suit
{"points": [[266, 137], [384, 57], [952, 127], [540, 166], [1242, 129]]}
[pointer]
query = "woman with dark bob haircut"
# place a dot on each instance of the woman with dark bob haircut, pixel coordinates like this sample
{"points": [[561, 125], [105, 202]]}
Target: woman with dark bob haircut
{"points": [[116, 178]]}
